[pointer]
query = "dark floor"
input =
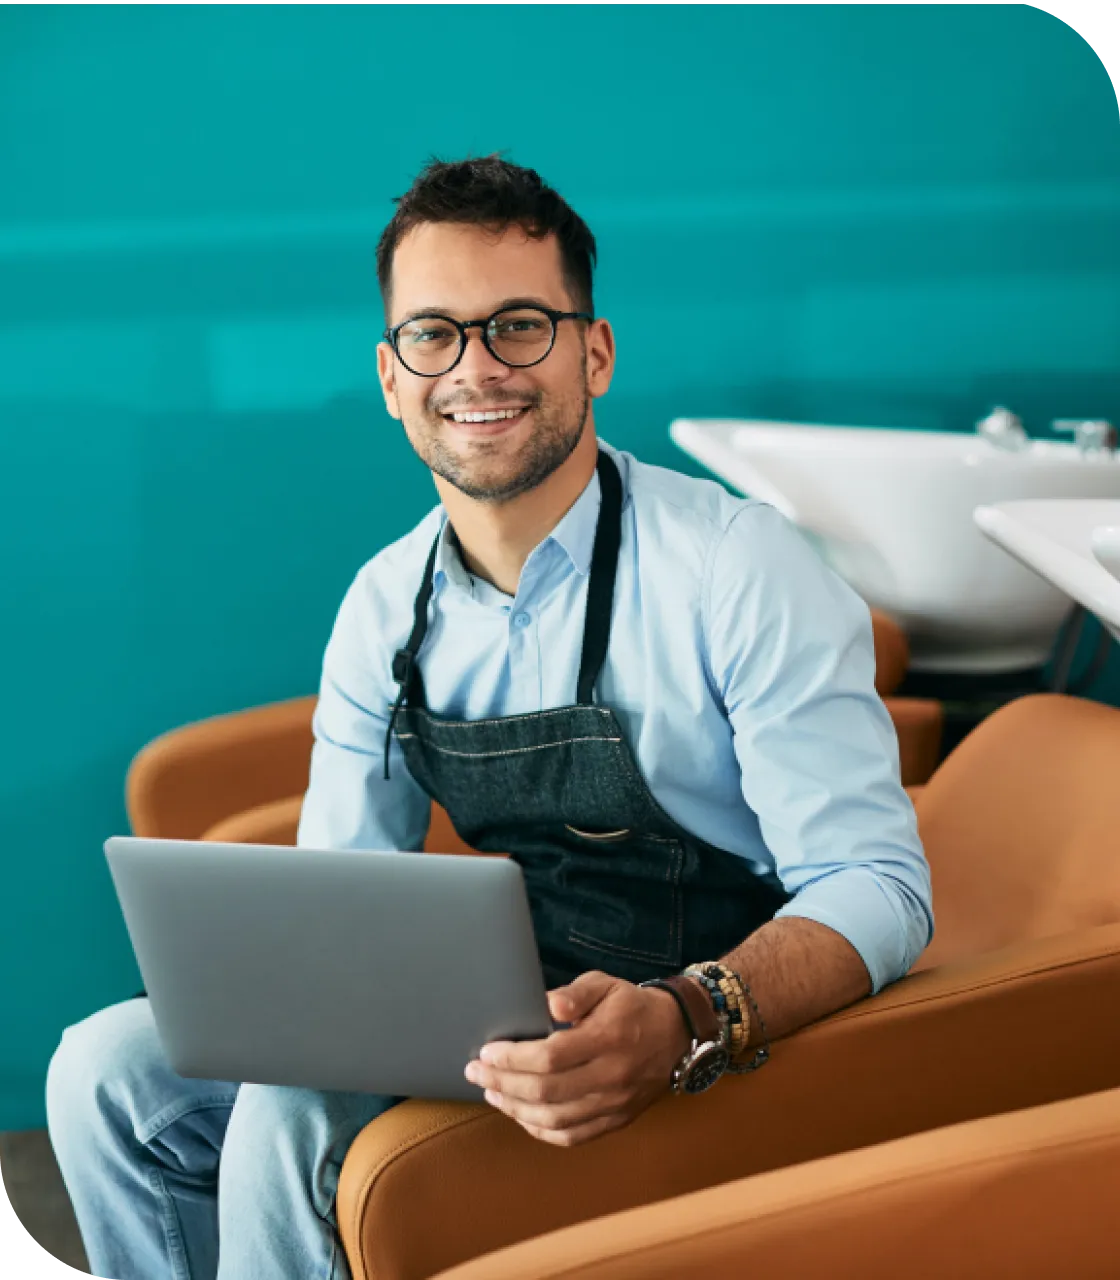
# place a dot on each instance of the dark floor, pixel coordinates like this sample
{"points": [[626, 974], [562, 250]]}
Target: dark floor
{"points": [[38, 1195]]}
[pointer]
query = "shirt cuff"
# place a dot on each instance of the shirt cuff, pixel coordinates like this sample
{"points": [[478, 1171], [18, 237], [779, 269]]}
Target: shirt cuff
{"points": [[885, 929]]}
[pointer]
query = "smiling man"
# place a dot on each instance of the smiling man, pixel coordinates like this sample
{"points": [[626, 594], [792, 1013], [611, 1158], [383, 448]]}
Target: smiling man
{"points": [[653, 695]]}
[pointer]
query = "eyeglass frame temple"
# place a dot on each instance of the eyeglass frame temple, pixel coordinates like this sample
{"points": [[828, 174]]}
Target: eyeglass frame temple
{"points": [[390, 335]]}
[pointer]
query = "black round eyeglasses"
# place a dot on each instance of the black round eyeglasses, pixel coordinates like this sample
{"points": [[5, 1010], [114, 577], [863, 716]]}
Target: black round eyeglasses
{"points": [[432, 345]]}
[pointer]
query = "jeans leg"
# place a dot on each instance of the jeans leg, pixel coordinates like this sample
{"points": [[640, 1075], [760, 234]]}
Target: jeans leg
{"points": [[138, 1147], [279, 1174]]}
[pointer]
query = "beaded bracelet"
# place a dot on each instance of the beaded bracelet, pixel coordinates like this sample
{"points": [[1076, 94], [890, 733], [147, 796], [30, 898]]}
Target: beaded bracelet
{"points": [[762, 1054], [741, 1033], [721, 1004], [720, 982], [742, 995], [727, 983]]}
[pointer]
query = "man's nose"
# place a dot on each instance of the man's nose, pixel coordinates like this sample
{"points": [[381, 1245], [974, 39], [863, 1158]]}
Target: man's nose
{"points": [[477, 364]]}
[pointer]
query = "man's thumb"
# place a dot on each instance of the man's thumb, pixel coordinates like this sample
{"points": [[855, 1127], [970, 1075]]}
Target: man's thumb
{"points": [[579, 997]]}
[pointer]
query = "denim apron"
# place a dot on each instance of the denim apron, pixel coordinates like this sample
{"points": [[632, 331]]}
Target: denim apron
{"points": [[613, 882]]}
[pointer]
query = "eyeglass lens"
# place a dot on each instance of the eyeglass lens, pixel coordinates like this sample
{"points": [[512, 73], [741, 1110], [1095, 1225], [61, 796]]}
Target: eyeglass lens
{"points": [[430, 345]]}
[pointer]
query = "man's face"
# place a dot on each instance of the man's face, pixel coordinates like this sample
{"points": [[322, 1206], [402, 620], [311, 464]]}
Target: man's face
{"points": [[468, 273]]}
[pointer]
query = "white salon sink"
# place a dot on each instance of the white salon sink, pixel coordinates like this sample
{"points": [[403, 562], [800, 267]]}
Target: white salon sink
{"points": [[1073, 544], [1106, 548], [892, 512]]}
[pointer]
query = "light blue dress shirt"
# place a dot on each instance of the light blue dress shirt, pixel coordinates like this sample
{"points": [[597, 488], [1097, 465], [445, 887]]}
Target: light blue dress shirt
{"points": [[740, 667]]}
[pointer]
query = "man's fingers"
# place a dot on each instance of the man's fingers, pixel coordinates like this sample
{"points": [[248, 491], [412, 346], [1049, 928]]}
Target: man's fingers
{"points": [[580, 996], [550, 1087], [560, 1051], [574, 1136], [559, 1006], [570, 1115], [565, 1049]]}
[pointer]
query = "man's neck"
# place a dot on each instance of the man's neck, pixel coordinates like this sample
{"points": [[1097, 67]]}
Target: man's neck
{"points": [[497, 539]]}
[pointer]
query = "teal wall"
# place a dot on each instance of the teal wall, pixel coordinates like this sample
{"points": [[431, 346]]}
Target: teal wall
{"points": [[891, 215]]}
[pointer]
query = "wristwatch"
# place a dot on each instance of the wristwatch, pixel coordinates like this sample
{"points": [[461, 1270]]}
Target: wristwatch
{"points": [[707, 1058]]}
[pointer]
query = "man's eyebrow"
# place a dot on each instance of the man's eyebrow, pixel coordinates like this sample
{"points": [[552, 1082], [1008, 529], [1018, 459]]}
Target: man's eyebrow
{"points": [[526, 301]]}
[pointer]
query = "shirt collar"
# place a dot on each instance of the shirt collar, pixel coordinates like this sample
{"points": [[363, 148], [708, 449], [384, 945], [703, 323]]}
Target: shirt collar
{"points": [[574, 535], [449, 566]]}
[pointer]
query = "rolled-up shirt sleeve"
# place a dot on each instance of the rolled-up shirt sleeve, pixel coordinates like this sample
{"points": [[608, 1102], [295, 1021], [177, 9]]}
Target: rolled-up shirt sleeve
{"points": [[791, 653], [349, 804]]}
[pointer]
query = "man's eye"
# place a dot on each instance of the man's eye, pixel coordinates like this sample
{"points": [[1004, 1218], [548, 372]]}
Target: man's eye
{"points": [[428, 335], [509, 327]]}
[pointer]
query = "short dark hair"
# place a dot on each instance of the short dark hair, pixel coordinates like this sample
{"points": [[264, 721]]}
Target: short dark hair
{"points": [[492, 192]]}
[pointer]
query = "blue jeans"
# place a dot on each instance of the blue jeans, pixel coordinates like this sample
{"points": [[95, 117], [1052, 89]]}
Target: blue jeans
{"points": [[140, 1149]]}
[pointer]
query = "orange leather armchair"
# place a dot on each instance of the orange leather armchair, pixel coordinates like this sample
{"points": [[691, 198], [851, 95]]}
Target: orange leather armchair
{"points": [[1009, 1008], [1029, 1195]]}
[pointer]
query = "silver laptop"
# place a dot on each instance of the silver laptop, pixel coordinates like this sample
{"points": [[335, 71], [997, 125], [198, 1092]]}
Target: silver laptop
{"points": [[366, 971]]}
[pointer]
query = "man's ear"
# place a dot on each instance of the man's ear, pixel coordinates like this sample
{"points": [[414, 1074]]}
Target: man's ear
{"points": [[600, 357], [387, 376]]}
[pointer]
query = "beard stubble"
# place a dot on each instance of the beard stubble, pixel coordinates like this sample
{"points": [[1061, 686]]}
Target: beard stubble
{"points": [[557, 431]]}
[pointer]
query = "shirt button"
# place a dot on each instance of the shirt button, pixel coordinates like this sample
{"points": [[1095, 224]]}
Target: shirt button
{"points": [[521, 619]]}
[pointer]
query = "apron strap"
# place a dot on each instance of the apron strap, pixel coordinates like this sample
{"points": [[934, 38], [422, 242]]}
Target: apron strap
{"points": [[405, 671], [600, 586]]}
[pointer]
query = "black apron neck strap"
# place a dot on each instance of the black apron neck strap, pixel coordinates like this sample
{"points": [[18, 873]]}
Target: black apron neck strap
{"points": [[406, 658], [406, 673], [600, 586]]}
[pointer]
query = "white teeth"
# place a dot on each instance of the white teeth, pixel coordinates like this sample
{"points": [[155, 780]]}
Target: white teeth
{"points": [[494, 415]]}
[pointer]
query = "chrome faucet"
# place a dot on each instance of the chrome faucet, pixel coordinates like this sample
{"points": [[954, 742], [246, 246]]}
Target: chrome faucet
{"points": [[1092, 436], [1003, 429]]}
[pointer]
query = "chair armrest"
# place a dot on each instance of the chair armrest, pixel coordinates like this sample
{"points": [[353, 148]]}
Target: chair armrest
{"points": [[1029, 1194], [919, 723], [274, 823], [278, 823], [892, 652], [1024, 1026], [185, 781]]}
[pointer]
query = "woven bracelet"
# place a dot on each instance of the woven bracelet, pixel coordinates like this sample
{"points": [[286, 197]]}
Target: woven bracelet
{"points": [[717, 977], [728, 1014], [728, 982], [762, 1054]]}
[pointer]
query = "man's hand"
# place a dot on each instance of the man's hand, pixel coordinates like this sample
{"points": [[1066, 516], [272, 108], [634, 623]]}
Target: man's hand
{"points": [[599, 1074]]}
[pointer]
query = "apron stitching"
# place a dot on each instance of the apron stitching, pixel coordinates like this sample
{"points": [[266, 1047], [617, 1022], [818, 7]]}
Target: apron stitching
{"points": [[501, 720], [512, 751], [636, 834], [583, 939]]}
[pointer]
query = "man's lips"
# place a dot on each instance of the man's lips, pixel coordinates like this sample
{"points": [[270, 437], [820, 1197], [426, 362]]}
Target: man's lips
{"points": [[487, 427]]}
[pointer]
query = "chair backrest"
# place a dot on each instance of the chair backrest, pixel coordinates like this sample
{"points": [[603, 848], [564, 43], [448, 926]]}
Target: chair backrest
{"points": [[186, 780], [442, 836], [1029, 1194], [1021, 826], [278, 823], [892, 652], [274, 823]]}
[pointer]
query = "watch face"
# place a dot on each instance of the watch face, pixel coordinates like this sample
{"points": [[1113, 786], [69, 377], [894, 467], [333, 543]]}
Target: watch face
{"points": [[708, 1063]]}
